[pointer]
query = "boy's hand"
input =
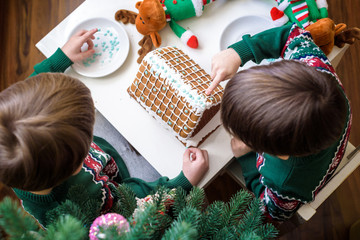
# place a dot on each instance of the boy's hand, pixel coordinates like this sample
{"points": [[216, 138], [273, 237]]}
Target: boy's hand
{"points": [[224, 65], [238, 147], [195, 164], [72, 47]]}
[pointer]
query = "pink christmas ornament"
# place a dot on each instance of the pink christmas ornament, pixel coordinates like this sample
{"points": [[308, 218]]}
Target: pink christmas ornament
{"points": [[105, 221]]}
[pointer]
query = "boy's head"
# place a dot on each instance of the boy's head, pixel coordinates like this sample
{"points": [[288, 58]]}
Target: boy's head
{"points": [[285, 108], [46, 125]]}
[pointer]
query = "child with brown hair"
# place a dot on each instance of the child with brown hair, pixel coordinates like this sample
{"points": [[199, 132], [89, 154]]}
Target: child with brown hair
{"points": [[290, 119], [47, 143]]}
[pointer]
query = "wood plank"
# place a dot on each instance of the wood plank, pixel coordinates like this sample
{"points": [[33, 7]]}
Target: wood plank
{"points": [[28, 22], [348, 69], [25, 22]]}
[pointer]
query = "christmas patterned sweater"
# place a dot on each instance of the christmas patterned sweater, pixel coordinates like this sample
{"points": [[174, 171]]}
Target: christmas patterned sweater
{"points": [[103, 168], [284, 185]]}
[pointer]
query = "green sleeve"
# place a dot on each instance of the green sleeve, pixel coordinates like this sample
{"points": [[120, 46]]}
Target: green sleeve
{"points": [[251, 173], [139, 186], [58, 62], [264, 45], [142, 188]]}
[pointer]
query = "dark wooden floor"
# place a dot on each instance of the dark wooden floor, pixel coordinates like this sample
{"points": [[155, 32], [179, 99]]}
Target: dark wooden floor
{"points": [[24, 22]]}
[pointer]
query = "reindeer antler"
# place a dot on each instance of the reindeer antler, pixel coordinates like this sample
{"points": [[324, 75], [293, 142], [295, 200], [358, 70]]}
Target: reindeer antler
{"points": [[347, 36], [145, 43], [125, 16], [146, 46]]}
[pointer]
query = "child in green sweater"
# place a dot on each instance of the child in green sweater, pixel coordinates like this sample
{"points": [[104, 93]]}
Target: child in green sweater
{"points": [[47, 143], [290, 119]]}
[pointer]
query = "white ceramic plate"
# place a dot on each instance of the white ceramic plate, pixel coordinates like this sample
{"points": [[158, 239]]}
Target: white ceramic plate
{"points": [[241, 26], [111, 46]]}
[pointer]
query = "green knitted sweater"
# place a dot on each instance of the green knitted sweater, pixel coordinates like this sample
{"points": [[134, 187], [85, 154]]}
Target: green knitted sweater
{"points": [[286, 184], [102, 167]]}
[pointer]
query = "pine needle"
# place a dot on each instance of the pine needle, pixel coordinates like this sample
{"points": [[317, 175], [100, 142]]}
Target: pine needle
{"points": [[180, 230], [16, 223], [66, 228], [179, 201], [126, 200], [196, 198]]}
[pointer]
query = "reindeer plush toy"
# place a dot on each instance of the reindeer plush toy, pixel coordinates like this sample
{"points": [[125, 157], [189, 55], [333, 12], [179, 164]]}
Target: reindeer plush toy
{"points": [[155, 14], [312, 15]]}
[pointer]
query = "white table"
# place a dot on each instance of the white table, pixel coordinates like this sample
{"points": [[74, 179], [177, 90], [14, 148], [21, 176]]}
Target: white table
{"points": [[160, 148]]}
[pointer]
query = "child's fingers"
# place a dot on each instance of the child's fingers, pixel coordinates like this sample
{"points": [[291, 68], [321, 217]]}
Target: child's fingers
{"points": [[80, 32], [210, 88], [213, 84], [193, 152], [205, 159], [206, 155], [203, 155], [200, 154], [192, 157], [89, 34], [213, 72], [186, 156], [90, 44], [86, 54]]}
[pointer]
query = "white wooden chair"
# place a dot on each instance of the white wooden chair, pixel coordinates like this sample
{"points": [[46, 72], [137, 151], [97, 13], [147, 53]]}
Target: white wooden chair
{"points": [[336, 54], [349, 163]]}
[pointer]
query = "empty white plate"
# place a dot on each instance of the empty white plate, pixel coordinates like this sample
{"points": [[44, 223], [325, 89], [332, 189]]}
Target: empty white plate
{"points": [[244, 25]]}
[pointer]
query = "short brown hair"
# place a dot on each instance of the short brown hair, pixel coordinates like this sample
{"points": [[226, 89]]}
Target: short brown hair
{"points": [[285, 108], [46, 125]]}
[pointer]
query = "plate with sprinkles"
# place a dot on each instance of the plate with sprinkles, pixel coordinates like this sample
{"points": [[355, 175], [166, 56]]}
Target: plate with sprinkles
{"points": [[111, 46]]}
